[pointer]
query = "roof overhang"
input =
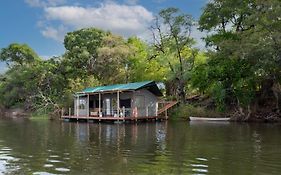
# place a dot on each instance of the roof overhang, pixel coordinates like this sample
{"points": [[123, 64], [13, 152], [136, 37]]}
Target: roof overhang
{"points": [[149, 85]]}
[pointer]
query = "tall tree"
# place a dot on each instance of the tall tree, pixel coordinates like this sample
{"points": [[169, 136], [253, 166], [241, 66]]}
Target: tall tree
{"points": [[140, 66], [172, 41], [18, 54], [245, 62], [112, 59], [81, 51], [93, 52]]}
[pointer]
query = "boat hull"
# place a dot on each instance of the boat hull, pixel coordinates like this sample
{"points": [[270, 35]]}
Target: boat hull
{"points": [[208, 119]]}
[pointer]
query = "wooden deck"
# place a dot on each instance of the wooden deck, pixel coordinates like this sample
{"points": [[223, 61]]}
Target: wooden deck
{"points": [[167, 105], [163, 109], [111, 118]]}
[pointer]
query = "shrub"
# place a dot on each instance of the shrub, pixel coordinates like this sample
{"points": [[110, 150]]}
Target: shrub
{"points": [[186, 111]]}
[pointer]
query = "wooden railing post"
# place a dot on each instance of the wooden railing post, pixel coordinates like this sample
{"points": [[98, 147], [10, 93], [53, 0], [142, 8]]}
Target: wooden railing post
{"points": [[124, 111], [62, 112], [136, 114], [146, 111], [118, 104], [88, 105], [78, 106], [100, 106]]}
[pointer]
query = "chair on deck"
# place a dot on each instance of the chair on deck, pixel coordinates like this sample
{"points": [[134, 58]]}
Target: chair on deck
{"points": [[94, 112]]}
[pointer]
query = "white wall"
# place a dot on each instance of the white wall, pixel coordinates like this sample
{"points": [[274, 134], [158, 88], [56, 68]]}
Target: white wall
{"points": [[148, 108], [150, 103], [82, 112]]}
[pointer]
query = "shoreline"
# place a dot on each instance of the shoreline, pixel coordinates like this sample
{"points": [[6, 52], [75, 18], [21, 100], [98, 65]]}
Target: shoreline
{"points": [[20, 113]]}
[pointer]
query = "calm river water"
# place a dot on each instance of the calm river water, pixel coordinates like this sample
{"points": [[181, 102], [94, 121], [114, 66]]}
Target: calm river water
{"points": [[57, 147]]}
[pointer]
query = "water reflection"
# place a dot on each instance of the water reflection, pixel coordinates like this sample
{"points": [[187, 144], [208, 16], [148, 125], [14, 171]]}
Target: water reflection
{"points": [[7, 160], [138, 148], [42, 173], [114, 135]]}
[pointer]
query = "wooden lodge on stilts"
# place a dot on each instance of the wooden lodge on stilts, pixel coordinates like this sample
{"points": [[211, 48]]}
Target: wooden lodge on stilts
{"points": [[120, 102]]}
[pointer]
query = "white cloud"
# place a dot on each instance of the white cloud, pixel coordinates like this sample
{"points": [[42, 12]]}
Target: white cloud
{"points": [[125, 20], [44, 3], [3, 67], [54, 33], [198, 37]]}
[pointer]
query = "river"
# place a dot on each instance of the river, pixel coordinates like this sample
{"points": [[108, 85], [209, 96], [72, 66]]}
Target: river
{"points": [[57, 147]]}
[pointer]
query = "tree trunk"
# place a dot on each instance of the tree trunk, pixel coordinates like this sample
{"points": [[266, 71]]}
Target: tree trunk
{"points": [[276, 89], [181, 91], [171, 88]]}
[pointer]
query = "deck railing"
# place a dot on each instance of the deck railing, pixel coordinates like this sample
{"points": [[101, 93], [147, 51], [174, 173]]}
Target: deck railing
{"points": [[123, 112], [163, 106]]}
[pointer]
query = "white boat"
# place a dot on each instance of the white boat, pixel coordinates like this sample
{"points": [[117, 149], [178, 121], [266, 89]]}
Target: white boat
{"points": [[208, 119]]}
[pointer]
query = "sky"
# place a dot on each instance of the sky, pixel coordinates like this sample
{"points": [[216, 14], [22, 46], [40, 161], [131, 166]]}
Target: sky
{"points": [[42, 24]]}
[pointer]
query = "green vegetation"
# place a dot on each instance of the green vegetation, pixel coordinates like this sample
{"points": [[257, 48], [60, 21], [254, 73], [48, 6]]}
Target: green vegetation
{"points": [[173, 48], [39, 115], [240, 73], [189, 110]]}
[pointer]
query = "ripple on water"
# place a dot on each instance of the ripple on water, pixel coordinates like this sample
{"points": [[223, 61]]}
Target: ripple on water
{"points": [[6, 149], [54, 156], [48, 165], [2, 166], [53, 161], [42, 173], [62, 169], [199, 165], [8, 158], [201, 159], [199, 170]]}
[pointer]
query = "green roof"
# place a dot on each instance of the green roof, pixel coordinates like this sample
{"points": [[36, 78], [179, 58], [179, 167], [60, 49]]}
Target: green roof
{"points": [[151, 85]]}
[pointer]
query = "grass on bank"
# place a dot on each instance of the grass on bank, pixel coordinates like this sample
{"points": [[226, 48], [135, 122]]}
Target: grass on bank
{"points": [[39, 115], [186, 111]]}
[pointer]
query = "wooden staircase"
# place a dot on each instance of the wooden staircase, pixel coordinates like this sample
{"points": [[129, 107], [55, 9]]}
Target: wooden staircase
{"points": [[167, 105]]}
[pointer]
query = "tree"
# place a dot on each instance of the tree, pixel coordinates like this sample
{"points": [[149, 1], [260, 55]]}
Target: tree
{"points": [[140, 66], [172, 42], [245, 61], [18, 54], [110, 65], [93, 52], [81, 51], [32, 83]]}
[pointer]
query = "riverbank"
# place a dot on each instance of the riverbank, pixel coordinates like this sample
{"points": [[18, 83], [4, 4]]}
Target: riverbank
{"points": [[21, 113], [16, 112], [183, 112]]}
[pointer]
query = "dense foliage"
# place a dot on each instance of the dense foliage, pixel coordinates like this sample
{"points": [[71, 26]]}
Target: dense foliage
{"points": [[244, 61], [239, 72]]}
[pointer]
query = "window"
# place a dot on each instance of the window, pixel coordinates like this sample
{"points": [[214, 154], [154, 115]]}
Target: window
{"points": [[140, 102], [82, 104], [126, 103]]}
